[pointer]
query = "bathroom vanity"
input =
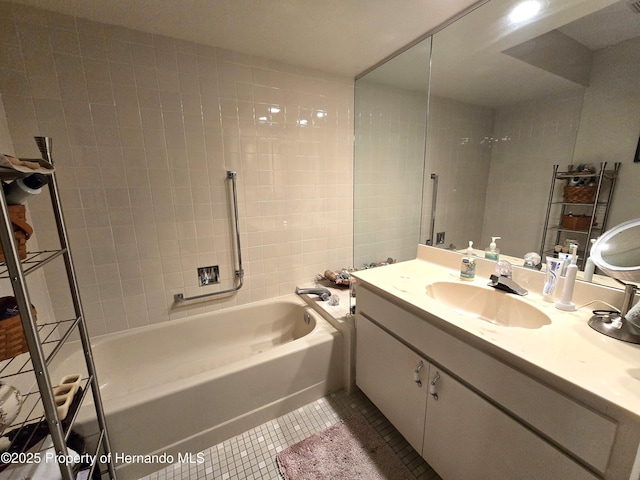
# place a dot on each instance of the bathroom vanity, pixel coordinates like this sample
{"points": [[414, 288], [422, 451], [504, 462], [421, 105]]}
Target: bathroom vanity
{"points": [[491, 386]]}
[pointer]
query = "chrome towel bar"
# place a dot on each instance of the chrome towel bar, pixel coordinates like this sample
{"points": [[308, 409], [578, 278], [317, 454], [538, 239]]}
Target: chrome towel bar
{"points": [[434, 201]]}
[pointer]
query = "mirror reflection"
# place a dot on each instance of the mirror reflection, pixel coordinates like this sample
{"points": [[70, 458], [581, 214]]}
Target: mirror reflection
{"points": [[391, 118], [507, 101]]}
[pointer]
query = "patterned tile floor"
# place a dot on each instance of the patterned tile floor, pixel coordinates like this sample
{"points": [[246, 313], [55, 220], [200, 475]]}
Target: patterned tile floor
{"points": [[252, 454]]}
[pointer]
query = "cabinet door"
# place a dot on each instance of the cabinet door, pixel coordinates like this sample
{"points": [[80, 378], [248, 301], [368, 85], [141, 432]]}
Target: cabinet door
{"points": [[466, 437], [386, 373]]}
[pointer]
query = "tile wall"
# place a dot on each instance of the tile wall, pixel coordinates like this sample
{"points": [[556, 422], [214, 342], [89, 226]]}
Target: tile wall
{"points": [[493, 165], [459, 152], [613, 100], [530, 137], [390, 143], [144, 129], [503, 188], [38, 291], [38, 287], [598, 125]]}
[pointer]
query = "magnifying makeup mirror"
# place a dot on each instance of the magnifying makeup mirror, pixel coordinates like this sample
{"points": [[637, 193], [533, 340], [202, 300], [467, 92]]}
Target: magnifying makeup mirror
{"points": [[617, 253]]}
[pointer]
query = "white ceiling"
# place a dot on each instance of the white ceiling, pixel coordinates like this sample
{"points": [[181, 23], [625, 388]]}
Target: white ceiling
{"points": [[339, 36]]}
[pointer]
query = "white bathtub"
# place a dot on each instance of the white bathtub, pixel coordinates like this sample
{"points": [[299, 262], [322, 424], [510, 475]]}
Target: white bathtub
{"points": [[182, 386]]}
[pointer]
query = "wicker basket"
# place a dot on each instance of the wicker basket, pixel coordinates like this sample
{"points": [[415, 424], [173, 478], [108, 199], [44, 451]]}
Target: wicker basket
{"points": [[21, 230], [581, 194], [576, 222], [12, 339]]}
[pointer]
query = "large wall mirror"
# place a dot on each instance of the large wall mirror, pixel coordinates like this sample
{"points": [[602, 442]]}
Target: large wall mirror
{"points": [[509, 97], [390, 128]]}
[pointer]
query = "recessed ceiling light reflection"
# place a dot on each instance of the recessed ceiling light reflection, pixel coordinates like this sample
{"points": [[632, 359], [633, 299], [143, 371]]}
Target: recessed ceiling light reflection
{"points": [[525, 11], [321, 114], [302, 122], [274, 109]]}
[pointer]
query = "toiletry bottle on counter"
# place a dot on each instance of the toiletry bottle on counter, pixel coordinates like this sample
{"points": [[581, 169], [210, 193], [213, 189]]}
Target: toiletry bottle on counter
{"points": [[493, 252], [589, 266], [554, 267], [468, 266]]}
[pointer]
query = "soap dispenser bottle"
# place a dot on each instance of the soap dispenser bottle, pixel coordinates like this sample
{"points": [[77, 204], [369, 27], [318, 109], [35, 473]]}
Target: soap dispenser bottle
{"points": [[493, 252], [468, 265]]}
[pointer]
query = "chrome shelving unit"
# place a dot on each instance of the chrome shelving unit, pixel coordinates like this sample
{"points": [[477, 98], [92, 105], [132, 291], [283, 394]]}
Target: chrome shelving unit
{"points": [[553, 233], [44, 342]]}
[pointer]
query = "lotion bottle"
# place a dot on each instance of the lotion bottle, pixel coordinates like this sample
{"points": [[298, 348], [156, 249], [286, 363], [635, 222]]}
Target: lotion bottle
{"points": [[493, 252], [468, 265], [589, 267]]}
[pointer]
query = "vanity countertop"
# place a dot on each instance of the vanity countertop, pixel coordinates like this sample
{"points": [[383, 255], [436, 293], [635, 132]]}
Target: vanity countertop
{"points": [[566, 353]]}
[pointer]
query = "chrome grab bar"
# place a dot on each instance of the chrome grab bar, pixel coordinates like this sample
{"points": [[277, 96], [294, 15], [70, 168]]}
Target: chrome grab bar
{"points": [[434, 200], [239, 273]]}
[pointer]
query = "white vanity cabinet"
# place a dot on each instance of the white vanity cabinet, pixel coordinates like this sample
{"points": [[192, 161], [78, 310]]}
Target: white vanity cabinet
{"points": [[469, 424], [394, 378], [466, 437]]}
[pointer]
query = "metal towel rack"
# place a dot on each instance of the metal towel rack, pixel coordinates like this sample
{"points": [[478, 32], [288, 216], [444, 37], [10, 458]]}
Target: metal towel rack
{"points": [[239, 273]]}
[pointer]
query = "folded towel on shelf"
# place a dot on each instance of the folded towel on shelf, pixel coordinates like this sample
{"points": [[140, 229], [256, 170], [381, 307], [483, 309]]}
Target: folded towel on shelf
{"points": [[12, 167]]}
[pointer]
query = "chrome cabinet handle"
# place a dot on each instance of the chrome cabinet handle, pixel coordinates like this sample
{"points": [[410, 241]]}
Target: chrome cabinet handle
{"points": [[416, 374], [432, 386]]}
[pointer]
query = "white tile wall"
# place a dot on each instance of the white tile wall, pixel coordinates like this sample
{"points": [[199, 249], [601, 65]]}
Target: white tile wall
{"points": [[37, 285], [494, 168], [501, 188], [144, 129], [38, 292], [485, 160], [613, 99], [390, 143], [459, 152], [531, 137]]}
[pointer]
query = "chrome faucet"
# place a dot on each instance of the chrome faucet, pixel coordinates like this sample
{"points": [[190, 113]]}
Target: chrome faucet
{"points": [[503, 280], [323, 293]]}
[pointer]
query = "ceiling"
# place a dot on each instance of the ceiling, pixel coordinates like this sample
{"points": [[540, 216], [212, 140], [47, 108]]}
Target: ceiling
{"points": [[340, 36]]}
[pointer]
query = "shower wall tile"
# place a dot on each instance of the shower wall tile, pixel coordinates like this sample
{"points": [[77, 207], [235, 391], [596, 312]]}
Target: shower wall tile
{"points": [[475, 150], [459, 152], [144, 129], [531, 137], [390, 142], [39, 294], [612, 99]]}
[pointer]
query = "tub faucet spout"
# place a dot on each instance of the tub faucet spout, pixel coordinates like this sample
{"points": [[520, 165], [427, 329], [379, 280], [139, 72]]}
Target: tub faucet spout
{"points": [[323, 293]]}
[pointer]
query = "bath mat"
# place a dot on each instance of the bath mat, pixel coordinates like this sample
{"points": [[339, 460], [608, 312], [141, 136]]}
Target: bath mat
{"points": [[349, 450]]}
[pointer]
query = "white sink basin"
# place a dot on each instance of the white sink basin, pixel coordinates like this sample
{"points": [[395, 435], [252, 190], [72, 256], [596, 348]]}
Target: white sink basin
{"points": [[488, 304]]}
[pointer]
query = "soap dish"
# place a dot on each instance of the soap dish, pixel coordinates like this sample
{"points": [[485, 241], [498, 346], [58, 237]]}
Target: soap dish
{"points": [[71, 380], [63, 395], [64, 392]]}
